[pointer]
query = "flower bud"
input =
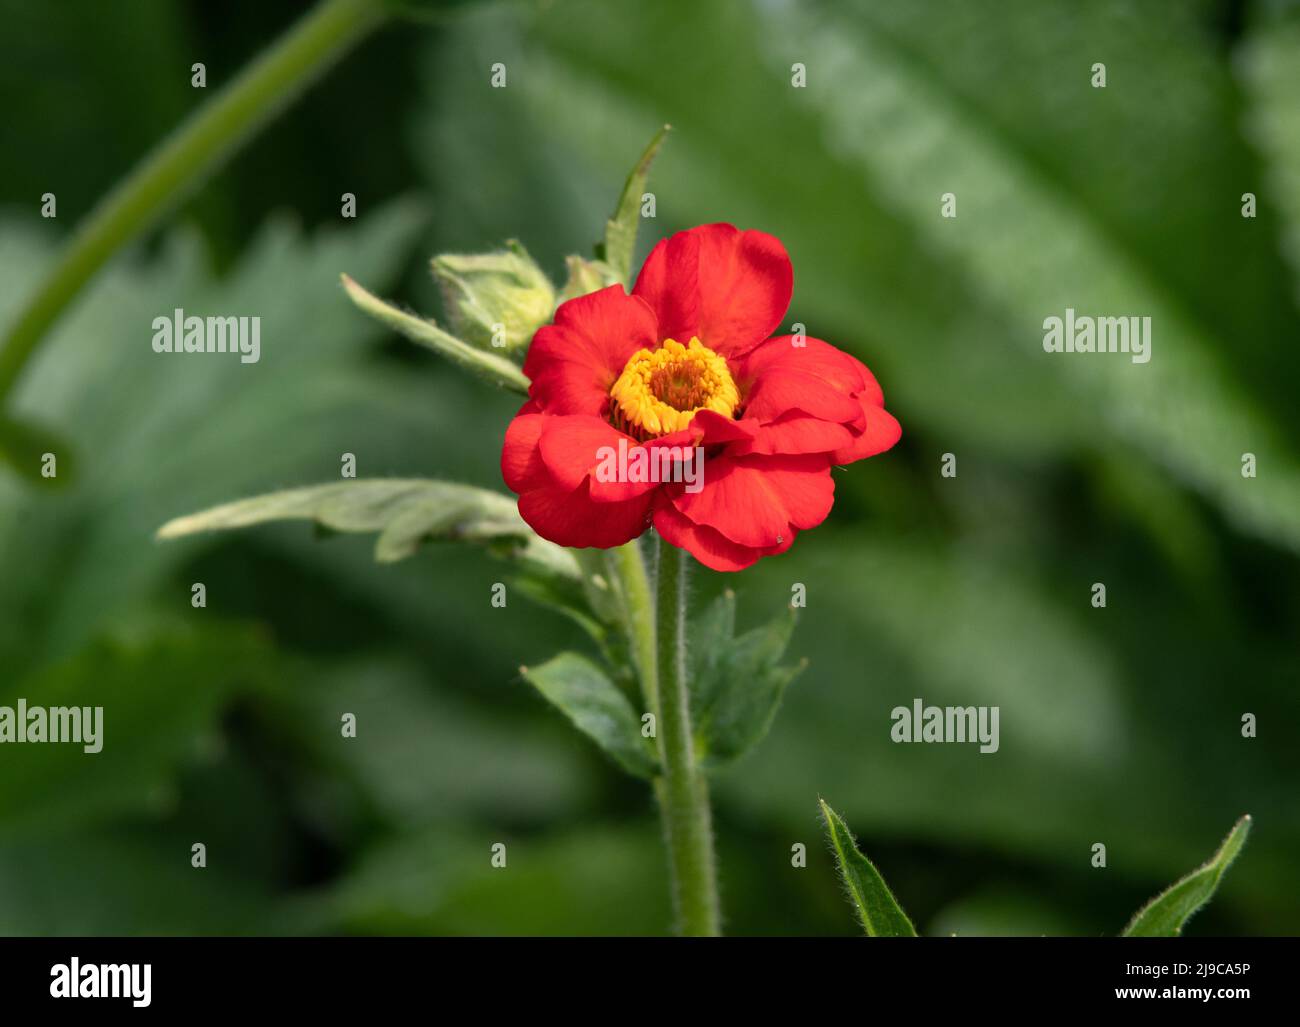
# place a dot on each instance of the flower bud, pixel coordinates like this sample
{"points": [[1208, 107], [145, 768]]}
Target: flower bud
{"points": [[586, 276], [495, 300]]}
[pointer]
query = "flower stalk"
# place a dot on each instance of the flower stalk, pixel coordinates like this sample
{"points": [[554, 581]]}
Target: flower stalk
{"points": [[682, 789]]}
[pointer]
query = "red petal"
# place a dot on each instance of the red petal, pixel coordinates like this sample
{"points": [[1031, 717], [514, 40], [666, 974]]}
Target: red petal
{"points": [[881, 432], [571, 447], [815, 378], [713, 428], [521, 460], [728, 288], [796, 432], [573, 362], [841, 369], [573, 519], [707, 428], [756, 500], [707, 545], [792, 389]]}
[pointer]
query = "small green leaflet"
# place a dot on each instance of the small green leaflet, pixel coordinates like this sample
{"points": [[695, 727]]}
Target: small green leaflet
{"points": [[1167, 914], [876, 906], [583, 692], [737, 683], [490, 366]]}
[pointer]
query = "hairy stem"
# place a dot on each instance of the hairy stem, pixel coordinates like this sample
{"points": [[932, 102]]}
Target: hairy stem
{"points": [[682, 789]]}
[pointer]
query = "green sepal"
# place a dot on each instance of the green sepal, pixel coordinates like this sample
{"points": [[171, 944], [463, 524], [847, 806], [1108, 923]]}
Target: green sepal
{"points": [[619, 246], [1167, 914], [879, 912], [492, 367]]}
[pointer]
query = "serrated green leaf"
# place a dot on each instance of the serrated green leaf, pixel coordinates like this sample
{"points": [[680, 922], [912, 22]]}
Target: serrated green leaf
{"points": [[1167, 914], [737, 683], [585, 694], [316, 389], [404, 511], [620, 230], [879, 911], [489, 366]]}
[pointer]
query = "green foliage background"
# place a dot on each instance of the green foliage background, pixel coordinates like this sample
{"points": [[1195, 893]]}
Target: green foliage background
{"points": [[1119, 725]]}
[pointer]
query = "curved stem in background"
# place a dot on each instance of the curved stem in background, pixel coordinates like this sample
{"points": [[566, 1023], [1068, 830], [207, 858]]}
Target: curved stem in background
{"points": [[203, 141], [682, 789]]}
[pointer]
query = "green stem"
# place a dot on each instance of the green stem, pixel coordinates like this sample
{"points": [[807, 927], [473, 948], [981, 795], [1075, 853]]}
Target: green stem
{"points": [[628, 570], [210, 135], [682, 789]]}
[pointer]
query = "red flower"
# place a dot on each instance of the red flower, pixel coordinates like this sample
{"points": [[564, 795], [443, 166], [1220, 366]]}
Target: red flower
{"points": [[684, 362]]}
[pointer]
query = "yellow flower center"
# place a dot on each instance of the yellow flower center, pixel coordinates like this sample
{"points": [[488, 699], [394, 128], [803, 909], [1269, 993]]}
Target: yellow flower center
{"points": [[660, 390]]}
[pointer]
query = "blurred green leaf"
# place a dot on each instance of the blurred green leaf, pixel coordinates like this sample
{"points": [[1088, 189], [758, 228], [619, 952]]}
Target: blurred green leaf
{"points": [[621, 230], [161, 697], [1005, 910], [142, 884], [874, 903], [404, 511], [231, 428], [422, 751], [23, 447], [1270, 71], [489, 366], [1167, 914], [586, 695], [901, 121], [737, 683], [128, 95], [584, 881], [564, 596]]}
